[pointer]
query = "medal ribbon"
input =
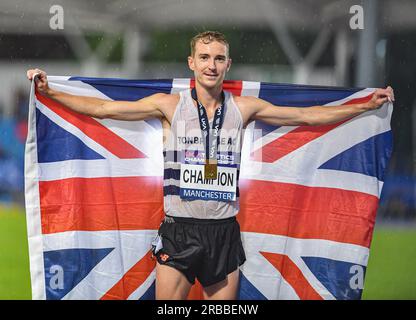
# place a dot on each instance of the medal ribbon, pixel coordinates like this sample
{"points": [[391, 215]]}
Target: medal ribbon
{"points": [[211, 137]]}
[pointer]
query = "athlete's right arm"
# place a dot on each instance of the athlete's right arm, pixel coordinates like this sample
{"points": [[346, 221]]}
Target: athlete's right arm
{"points": [[146, 108]]}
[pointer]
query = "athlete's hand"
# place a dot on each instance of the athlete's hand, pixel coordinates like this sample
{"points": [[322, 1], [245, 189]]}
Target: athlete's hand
{"points": [[41, 80], [380, 96]]}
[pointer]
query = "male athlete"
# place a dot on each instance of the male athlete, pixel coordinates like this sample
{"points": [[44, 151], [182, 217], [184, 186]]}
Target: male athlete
{"points": [[200, 237]]}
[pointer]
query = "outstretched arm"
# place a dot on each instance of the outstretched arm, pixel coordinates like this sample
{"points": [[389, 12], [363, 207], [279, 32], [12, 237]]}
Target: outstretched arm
{"points": [[148, 107], [258, 109]]}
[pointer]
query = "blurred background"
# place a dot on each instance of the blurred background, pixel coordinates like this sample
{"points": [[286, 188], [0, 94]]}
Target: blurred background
{"points": [[369, 43]]}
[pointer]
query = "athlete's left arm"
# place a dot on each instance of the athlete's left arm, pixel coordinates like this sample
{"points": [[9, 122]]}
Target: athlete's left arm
{"points": [[257, 109]]}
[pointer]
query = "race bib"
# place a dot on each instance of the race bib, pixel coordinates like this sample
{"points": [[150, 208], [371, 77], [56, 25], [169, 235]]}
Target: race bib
{"points": [[193, 185]]}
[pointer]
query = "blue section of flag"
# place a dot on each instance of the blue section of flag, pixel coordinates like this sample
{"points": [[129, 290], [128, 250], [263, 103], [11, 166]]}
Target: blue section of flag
{"points": [[150, 293], [56, 144], [336, 276], [369, 157], [248, 291], [302, 95], [264, 127], [129, 90], [64, 269]]}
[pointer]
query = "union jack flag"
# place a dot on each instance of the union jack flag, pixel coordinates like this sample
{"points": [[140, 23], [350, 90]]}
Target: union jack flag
{"points": [[308, 195]]}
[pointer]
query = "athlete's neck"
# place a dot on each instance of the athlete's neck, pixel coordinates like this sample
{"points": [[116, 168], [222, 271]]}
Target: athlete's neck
{"points": [[210, 98]]}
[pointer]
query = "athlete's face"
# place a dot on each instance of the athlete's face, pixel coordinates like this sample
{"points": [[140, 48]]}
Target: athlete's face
{"points": [[210, 63]]}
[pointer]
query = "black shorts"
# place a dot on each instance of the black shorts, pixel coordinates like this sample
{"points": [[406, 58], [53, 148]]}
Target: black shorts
{"points": [[206, 249]]}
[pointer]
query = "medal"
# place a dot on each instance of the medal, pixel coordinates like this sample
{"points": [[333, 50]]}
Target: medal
{"points": [[211, 139], [210, 170]]}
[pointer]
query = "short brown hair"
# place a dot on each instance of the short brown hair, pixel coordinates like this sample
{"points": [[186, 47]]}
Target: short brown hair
{"points": [[208, 37]]}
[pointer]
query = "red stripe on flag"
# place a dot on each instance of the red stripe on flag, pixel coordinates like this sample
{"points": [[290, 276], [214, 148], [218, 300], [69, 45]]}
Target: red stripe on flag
{"points": [[307, 212], [233, 86], [291, 273], [297, 138], [95, 130], [132, 280], [95, 204]]}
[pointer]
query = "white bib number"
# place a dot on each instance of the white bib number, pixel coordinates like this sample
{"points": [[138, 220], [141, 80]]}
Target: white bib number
{"points": [[193, 186]]}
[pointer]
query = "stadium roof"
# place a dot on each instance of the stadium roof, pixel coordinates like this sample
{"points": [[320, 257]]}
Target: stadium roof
{"points": [[20, 16]]}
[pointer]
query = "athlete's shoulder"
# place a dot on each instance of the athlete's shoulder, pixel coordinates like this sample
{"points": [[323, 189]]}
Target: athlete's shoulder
{"points": [[166, 103], [166, 99], [245, 101], [247, 106]]}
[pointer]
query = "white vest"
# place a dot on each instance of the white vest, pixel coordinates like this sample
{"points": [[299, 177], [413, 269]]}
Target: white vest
{"points": [[185, 134]]}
